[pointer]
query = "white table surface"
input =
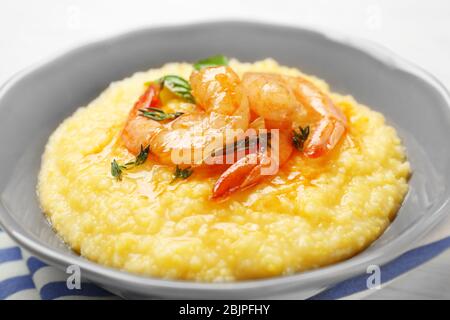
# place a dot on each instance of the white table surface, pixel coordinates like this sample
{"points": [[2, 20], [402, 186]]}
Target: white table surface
{"points": [[417, 30]]}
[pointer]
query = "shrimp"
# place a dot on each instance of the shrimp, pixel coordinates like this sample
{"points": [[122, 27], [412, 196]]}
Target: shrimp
{"points": [[286, 100], [225, 102], [254, 167], [190, 138], [138, 131], [271, 97], [217, 89], [283, 102], [187, 139]]}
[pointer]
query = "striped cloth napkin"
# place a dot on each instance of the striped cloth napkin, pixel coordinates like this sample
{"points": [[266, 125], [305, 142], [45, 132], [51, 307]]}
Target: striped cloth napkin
{"points": [[23, 276]]}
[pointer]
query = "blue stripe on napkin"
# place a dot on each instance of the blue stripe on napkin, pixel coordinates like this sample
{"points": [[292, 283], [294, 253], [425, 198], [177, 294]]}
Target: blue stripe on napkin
{"points": [[58, 289], [34, 265], [395, 268], [54, 290], [10, 254], [14, 285]]}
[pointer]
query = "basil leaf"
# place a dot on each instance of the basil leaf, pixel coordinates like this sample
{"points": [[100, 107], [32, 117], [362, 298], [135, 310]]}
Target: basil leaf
{"points": [[213, 61], [178, 86]]}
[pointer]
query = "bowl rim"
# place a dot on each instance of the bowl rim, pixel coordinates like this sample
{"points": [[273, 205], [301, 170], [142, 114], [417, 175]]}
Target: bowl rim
{"points": [[307, 279]]}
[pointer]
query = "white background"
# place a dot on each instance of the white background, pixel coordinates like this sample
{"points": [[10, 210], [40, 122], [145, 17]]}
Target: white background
{"points": [[417, 30], [31, 30]]}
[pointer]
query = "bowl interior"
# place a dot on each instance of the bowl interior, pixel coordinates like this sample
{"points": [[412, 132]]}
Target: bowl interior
{"points": [[36, 102]]}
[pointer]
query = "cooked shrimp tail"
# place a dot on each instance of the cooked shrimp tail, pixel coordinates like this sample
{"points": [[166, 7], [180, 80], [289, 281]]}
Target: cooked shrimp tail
{"points": [[324, 138], [328, 130], [285, 100], [245, 173], [254, 167]]}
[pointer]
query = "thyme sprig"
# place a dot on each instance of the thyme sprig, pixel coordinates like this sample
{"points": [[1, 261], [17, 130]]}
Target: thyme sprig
{"points": [[245, 144], [158, 114], [182, 173], [299, 137], [117, 169]]}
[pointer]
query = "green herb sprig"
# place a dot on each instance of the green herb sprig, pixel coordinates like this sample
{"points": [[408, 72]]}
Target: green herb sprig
{"points": [[213, 61], [182, 173], [118, 169], [299, 137], [248, 143], [178, 86], [158, 114]]}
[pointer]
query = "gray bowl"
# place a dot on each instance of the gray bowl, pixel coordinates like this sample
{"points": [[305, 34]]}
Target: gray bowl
{"points": [[36, 100]]}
